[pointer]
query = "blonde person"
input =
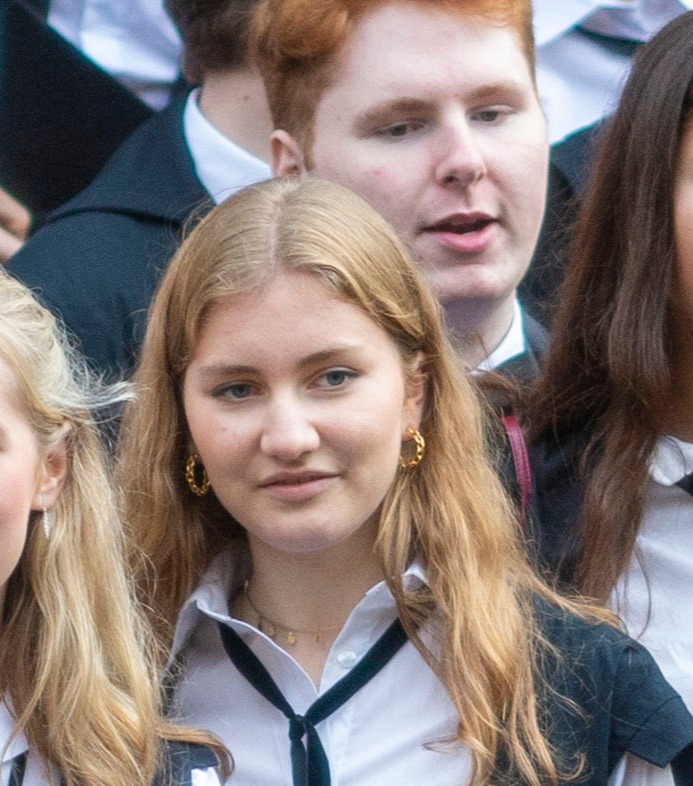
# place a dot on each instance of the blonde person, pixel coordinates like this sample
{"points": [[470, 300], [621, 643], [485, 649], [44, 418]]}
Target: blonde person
{"points": [[332, 560], [78, 702]]}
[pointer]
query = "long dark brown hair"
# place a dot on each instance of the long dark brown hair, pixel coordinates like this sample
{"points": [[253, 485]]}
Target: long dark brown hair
{"points": [[609, 370]]}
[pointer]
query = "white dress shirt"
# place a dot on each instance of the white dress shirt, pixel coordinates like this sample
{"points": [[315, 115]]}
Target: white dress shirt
{"points": [[34, 774], [134, 40], [382, 735], [220, 164], [513, 343], [654, 597], [579, 81]]}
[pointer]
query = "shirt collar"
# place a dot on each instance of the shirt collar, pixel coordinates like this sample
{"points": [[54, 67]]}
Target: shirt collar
{"points": [[513, 343], [222, 166], [19, 742], [636, 19], [228, 570], [671, 460]]}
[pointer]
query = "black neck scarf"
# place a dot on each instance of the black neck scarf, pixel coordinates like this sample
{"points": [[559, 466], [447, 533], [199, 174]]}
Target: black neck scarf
{"points": [[309, 761]]}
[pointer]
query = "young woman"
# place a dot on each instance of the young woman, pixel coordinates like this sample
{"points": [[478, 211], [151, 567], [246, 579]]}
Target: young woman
{"points": [[613, 421], [78, 698], [332, 558]]}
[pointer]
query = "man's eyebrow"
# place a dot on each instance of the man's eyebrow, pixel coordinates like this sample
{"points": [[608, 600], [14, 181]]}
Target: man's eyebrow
{"points": [[390, 110], [496, 90], [386, 110]]}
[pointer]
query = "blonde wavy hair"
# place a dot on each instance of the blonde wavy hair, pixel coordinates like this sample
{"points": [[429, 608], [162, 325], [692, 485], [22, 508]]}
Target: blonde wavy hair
{"points": [[76, 655], [452, 510]]}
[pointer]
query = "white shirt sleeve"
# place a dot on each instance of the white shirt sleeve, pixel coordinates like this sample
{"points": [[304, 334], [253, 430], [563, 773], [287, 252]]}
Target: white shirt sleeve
{"points": [[207, 777], [632, 771]]}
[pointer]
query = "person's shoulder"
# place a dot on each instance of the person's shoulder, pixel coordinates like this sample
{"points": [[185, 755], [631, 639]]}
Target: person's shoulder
{"points": [[624, 701], [150, 177], [187, 764]]}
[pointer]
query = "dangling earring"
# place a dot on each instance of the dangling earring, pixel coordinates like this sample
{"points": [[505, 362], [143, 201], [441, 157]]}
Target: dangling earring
{"points": [[420, 443], [190, 466], [47, 523]]}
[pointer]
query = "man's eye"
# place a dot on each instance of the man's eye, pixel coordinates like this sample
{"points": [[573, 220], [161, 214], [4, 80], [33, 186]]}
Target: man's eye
{"points": [[490, 115], [399, 130]]}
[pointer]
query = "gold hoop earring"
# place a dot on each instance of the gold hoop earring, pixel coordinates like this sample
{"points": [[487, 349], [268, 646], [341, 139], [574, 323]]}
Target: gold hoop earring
{"points": [[190, 466], [420, 443]]}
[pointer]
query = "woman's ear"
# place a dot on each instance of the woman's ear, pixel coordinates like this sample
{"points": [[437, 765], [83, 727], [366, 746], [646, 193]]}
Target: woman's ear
{"points": [[52, 474]]}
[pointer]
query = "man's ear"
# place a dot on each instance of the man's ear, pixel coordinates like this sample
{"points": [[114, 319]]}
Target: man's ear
{"points": [[52, 474], [287, 156]]}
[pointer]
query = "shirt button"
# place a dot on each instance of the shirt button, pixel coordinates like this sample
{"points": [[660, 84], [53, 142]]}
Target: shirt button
{"points": [[346, 659]]}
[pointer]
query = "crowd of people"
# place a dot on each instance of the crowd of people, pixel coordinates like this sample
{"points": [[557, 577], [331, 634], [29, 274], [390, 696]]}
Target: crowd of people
{"points": [[310, 470]]}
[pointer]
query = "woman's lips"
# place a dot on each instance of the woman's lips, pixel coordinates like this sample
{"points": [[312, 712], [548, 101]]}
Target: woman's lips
{"points": [[297, 487]]}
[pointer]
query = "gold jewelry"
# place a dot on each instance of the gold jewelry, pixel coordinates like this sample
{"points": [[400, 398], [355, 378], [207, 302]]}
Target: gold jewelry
{"points": [[420, 443], [269, 628], [190, 466]]}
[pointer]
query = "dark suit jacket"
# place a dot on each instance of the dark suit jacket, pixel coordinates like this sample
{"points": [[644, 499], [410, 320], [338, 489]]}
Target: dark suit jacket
{"points": [[98, 259], [627, 705], [61, 116], [569, 169], [525, 367]]}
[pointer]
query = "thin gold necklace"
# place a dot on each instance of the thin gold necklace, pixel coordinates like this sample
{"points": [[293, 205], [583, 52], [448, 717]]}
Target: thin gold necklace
{"points": [[269, 627]]}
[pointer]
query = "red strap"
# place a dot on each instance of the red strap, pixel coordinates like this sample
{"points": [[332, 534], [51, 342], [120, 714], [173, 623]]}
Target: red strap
{"points": [[523, 468]]}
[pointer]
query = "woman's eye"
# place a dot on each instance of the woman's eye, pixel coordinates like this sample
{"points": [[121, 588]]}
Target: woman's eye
{"points": [[237, 391], [335, 378]]}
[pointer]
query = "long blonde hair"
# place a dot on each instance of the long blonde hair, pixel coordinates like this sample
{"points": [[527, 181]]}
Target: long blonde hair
{"points": [[451, 510], [75, 654]]}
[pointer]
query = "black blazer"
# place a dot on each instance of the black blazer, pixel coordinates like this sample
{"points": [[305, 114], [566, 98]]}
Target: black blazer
{"points": [[99, 257], [61, 116]]}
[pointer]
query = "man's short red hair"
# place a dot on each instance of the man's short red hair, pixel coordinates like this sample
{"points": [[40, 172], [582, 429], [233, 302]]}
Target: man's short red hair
{"points": [[295, 43]]}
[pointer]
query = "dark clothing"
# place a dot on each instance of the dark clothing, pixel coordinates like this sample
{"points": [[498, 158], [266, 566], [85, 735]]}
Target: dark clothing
{"points": [[627, 705], [99, 258], [570, 164], [556, 504], [61, 116], [179, 761], [525, 367]]}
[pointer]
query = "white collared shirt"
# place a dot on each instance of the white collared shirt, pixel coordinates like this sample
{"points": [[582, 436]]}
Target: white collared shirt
{"points": [[134, 40], [220, 164], [513, 344], [34, 775], [360, 742], [580, 82], [654, 597]]}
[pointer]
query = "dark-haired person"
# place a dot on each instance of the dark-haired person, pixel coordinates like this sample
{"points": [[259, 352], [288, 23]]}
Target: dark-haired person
{"points": [[613, 419], [100, 256]]}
